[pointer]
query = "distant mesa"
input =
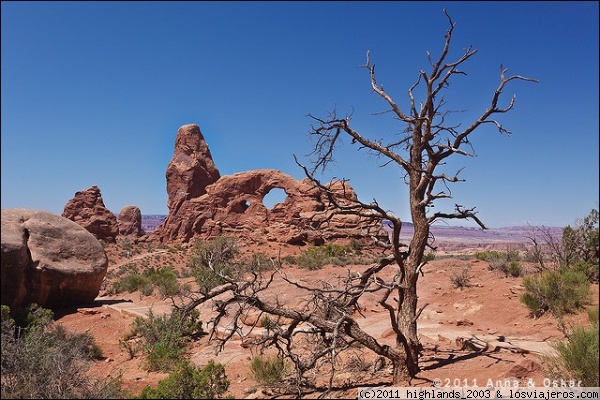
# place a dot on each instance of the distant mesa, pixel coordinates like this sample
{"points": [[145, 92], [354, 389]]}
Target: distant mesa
{"points": [[87, 209], [203, 204], [151, 221], [48, 260]]}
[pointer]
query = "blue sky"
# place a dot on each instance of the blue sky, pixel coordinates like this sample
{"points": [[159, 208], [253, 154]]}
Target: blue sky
{"points": [[93, 94]]}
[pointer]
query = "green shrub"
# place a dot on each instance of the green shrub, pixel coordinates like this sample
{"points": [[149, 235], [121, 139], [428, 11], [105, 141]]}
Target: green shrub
{"points": [[268, 370], [506, 262], [165, 337], [590, 270], [261, 262], [219, 251], [461, 279], [559, 292], [316, 257], [577, 359], [131, 283], [290, 259], [190, 382], [593, 314], [40, 360], [165, 279], [312, 258], [208, 279], [486, 255], [211, 259], [33, 316], [429, 257], [514, 269]]}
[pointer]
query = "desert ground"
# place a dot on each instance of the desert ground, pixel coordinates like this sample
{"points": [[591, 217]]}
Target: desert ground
{"points": [[487, 311]]}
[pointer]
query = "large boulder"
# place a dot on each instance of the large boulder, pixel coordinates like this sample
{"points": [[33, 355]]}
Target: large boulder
{"points": [[130, 221], [88, 210], [233, 204], [48, 260]]}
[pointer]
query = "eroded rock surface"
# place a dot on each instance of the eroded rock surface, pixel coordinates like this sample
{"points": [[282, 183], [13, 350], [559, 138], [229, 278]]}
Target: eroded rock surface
{"points": [[87, 209], [202, 204], [48, 260], [191, 168], [130, 221]]}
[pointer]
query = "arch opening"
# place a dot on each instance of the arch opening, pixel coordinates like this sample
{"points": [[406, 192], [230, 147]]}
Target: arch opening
{"points": [[273, 197]]}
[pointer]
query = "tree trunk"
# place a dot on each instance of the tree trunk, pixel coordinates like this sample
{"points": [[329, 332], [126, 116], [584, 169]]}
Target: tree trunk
{"points": [[409, 342], [407, 323]]}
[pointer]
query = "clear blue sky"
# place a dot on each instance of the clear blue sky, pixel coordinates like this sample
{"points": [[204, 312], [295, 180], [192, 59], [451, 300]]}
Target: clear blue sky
{"points": [[93, 94]]}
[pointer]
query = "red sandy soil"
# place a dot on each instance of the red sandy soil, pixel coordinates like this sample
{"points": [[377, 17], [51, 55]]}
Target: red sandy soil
{"points": [[488, 309]]}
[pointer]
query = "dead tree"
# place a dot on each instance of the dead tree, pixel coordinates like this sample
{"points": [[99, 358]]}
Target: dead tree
{"points": [[330, 317], [426, 142]]}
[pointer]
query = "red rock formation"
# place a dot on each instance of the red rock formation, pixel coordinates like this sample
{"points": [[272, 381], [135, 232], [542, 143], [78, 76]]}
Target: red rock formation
{"points": [[130, 221], [48, 260], [233, 204], [191, 168], [88, 210]]}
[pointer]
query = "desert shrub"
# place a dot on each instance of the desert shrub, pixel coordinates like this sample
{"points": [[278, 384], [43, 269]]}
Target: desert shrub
{"points": [[40, 360], [461, 279], [590, 270], [581, 243], [486, 255], [211, 260], [131, 283], [593, 314], [208, 279], [429, 257], [312, 258], [30, 317], [165, 337], [506, 262], [315, 257], [337, 250], [578, 244], [577, 359], [190, 382], [268, 370], [219, 251], [261, 262], [514, 269], [356, 246], [290, 259], [165, 279], [559, 292]]}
